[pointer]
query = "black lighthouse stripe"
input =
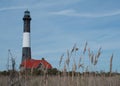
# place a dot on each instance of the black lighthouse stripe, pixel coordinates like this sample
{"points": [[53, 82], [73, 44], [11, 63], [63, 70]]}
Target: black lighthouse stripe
{"points": [[26, 20]]}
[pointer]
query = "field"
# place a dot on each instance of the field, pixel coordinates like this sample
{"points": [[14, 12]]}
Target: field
{"points": [[68, 75], [82, 80]]}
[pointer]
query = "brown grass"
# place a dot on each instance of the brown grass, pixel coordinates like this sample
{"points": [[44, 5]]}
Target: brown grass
{"points": [[66, 78], [65, 81]]}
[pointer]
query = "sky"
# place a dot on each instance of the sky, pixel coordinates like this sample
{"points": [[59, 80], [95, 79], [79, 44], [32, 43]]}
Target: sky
{"points": [[59, 24]]}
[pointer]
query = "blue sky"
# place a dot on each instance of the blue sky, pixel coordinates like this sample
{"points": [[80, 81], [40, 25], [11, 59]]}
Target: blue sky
{"points": [[57, 25]]}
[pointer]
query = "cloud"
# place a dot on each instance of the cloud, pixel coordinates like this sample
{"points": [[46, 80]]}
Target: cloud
{"points": [[38, 4], [72, 12], [13, 8]]}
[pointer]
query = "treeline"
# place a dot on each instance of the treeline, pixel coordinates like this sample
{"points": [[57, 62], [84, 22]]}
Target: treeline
{"points": [[55, 71], [5, 73]]}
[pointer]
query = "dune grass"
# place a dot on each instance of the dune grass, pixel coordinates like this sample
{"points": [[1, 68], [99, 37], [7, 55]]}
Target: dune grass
{"points": [[69, 74]]}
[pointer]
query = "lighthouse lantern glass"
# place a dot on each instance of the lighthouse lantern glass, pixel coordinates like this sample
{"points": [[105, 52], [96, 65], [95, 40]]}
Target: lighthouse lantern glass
{"points": [[27, 13]]}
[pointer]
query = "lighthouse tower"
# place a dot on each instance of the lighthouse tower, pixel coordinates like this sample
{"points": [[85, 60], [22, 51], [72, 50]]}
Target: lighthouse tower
{"points": [[26, 49]]}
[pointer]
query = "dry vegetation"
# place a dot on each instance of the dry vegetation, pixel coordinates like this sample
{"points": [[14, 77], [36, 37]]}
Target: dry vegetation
{"points": [[64, 81], [64, 77]]}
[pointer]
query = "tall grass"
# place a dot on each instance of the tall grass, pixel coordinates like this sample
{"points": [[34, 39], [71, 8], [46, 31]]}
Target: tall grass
{"points": [[65, 81], [70, 74]]}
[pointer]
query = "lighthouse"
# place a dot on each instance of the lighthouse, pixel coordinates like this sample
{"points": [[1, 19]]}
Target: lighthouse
{"points": [[26, 49], [28, 62]]}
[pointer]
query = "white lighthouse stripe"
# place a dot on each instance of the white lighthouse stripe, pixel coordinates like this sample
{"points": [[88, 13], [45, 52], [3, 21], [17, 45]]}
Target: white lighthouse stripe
{"points": [[26, 39]]}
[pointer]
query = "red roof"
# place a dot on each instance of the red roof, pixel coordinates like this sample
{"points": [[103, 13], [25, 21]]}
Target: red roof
{"points": [[32, 63]]}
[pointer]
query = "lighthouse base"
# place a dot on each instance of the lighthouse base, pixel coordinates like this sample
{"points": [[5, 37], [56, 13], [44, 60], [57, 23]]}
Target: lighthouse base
{"points": [[26, 53]]}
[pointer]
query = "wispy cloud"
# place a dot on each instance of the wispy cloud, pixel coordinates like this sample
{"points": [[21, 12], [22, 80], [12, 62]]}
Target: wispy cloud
{"points": [[87, 15], [13, 8], [38, 4]]}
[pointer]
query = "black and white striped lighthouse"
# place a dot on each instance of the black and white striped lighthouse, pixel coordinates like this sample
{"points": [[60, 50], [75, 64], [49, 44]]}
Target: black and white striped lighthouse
{"points": [[26, 49]]}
